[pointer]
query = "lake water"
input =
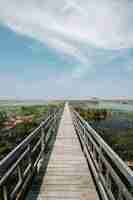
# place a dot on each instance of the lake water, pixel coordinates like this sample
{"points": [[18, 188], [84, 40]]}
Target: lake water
{"points": [[114, 106], [117, 106]]}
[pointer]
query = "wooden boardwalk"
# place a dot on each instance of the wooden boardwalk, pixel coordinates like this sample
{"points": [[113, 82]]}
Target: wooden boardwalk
{"points": [[67, 176]]}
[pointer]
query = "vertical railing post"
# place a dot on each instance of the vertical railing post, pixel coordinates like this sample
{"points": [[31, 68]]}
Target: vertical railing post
{"points": [[54, 121], [84, 139], [42, 139], [120, 193], [20, 175], [108, 181], [99, 159], [106, 170], [5, 194], [94, 153], [30, 157]]}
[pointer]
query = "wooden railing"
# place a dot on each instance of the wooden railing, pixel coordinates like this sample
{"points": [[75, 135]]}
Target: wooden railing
{"points": [[113, 178], [17, 168]]}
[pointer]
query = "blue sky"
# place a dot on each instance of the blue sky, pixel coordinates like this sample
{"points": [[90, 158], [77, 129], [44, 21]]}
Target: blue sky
{"points": [[66, 49]]}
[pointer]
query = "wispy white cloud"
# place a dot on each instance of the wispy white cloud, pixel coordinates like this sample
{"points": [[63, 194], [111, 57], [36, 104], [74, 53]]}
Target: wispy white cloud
{"points": [[103, 23], [73, 27]]}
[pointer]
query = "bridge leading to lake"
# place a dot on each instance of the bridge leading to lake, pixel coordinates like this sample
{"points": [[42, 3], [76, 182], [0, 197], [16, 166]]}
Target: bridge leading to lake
{"points": [[64, 158]]}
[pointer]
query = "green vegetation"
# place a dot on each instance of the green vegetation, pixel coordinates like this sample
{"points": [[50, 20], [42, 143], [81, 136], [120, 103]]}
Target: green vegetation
{"points": [[123, 144], [16, 122], [115, 127], [4, 148], [3, 118], [92, 114]]}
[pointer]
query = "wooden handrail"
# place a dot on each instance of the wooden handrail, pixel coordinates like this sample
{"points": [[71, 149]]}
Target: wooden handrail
{"points": [[107, 167], [30, 150]]}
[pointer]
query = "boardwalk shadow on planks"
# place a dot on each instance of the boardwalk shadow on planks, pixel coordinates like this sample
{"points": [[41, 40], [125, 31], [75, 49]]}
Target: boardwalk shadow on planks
{"points": [[34, 188], [68, 175]]}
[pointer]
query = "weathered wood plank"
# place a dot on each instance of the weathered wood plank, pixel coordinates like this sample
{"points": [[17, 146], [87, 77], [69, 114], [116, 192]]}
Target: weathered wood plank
{"points": [[67, 175]]}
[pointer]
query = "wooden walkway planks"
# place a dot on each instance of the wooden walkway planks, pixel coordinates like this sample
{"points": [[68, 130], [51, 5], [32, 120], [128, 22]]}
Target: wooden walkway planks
{"points": [[67, 175]]}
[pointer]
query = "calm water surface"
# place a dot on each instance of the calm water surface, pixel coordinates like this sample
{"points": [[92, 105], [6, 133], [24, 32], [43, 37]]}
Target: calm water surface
{"points": [[114, 106]]}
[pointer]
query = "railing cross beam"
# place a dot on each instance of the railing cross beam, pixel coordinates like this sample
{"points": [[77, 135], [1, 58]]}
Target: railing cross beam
{"points": [[22, 161], [109, 171]]}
